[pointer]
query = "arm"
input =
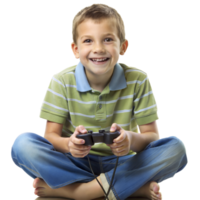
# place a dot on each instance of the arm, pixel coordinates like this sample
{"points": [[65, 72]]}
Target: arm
{"points": [[148, 134], [53, 134]]}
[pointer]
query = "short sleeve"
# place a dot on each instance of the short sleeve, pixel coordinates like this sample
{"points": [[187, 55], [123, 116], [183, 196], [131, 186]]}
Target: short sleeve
{"points": [[144, 104], [55, 105]]}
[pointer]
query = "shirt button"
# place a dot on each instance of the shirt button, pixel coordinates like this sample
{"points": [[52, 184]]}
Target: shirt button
{"points": [[100, 106]]}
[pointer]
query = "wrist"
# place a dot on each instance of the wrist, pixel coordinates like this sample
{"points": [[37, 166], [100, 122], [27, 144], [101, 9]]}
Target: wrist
{"points": [[60, 144], [66, 145], [137, 143], [140, 140]]}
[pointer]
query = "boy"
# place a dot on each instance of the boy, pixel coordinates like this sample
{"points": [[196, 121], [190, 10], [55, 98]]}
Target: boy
{"points": [[97, 94]]}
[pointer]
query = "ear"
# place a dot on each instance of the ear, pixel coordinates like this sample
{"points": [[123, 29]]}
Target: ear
{"points": [[75, 49], [123, 47]]}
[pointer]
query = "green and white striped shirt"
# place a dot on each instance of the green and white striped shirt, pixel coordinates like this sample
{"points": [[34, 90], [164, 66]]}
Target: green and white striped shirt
{"points": [[127, 100]]}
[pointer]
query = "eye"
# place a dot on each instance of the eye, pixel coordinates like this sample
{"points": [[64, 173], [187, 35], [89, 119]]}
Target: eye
{"points": [[86, 41], [108, 39]]}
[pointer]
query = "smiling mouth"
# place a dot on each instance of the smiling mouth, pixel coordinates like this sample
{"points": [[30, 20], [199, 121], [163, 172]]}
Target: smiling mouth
{"points": [[102, 60]]}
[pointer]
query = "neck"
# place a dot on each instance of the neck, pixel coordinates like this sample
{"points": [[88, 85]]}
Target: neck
{"points": [[98, 82]]}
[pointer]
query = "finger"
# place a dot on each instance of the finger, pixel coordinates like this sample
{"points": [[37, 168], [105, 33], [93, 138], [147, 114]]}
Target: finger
{"points": [[81, 141], [78, 153], [120, 138], [118, 149], [119, 153], [116, 145], [79, 130], [115, 127], [77, 141]]}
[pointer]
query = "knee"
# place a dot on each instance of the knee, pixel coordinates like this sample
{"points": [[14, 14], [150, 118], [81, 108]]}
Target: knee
{"points": [[23, 145], [177, 144], [178, 151]]}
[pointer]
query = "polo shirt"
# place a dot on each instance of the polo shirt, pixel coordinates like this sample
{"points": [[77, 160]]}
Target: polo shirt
{"points": [[127, 100]]}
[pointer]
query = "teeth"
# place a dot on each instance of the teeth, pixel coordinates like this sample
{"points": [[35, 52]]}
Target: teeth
{"points": [[99, 59]]}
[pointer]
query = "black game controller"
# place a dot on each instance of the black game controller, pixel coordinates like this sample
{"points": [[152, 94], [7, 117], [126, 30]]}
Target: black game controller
{"points": [[102, 136]]}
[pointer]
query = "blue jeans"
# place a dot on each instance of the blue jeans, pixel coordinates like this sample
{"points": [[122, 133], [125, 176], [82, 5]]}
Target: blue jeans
{"points": [[160, 160]]}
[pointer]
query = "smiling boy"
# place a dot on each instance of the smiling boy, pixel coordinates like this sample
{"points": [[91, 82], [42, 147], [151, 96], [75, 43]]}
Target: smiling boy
{"points": [[99, 93], [98, 47]]}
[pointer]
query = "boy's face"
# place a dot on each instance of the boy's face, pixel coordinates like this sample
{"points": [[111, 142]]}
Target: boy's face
{"points": [[98, 46]]}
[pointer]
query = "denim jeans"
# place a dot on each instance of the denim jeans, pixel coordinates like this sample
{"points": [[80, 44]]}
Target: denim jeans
{"points": [[160, 160]]}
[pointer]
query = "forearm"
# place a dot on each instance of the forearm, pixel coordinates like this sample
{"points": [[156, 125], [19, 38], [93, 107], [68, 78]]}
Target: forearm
{"points": [[140, 140], [59, 143]]}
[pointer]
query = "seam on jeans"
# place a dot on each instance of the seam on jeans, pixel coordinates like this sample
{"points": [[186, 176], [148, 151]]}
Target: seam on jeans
{"points": [[29, 169], [112, 188]]}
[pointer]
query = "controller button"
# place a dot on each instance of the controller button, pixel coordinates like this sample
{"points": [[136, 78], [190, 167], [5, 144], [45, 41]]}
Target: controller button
{"points": [[90, 132]]}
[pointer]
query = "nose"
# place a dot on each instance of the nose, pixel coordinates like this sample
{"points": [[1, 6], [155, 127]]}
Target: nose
{"points": [[99, 48]]}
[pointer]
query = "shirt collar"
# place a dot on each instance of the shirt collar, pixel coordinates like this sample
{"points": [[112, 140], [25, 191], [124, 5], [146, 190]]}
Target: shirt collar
{"points": [[117, 81]]}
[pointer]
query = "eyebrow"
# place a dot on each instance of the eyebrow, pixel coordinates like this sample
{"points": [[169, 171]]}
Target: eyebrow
{"points": [[107, 34]]}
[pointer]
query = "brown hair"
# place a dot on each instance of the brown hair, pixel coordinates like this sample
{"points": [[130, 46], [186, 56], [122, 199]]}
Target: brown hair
{"points": [[98, 12]]}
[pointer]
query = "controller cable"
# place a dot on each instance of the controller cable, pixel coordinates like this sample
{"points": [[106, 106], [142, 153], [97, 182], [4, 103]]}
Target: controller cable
{"points": [[111, 179]]}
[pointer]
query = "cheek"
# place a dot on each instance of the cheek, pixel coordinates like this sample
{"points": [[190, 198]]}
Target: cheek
{"points": [[114, 51], [84, 53]]}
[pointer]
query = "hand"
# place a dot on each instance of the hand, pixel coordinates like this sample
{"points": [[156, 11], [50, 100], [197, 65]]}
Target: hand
{"points": [[122, 143], [75, 145]]}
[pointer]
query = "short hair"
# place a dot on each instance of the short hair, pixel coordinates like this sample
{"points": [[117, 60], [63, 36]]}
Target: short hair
{"points": [[98, 12]]}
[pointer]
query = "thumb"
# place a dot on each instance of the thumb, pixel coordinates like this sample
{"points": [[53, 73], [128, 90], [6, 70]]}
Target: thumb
{"points": [[80, 130], [115, 127]]}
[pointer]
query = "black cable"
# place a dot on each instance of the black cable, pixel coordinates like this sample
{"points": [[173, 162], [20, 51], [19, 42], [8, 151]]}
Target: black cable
{"points": [[95, 176], [112, 178], [100, 183]]}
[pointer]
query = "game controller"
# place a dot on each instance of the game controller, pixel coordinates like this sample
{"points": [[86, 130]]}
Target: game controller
{"points": [[105, 137], [102, 136]]}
